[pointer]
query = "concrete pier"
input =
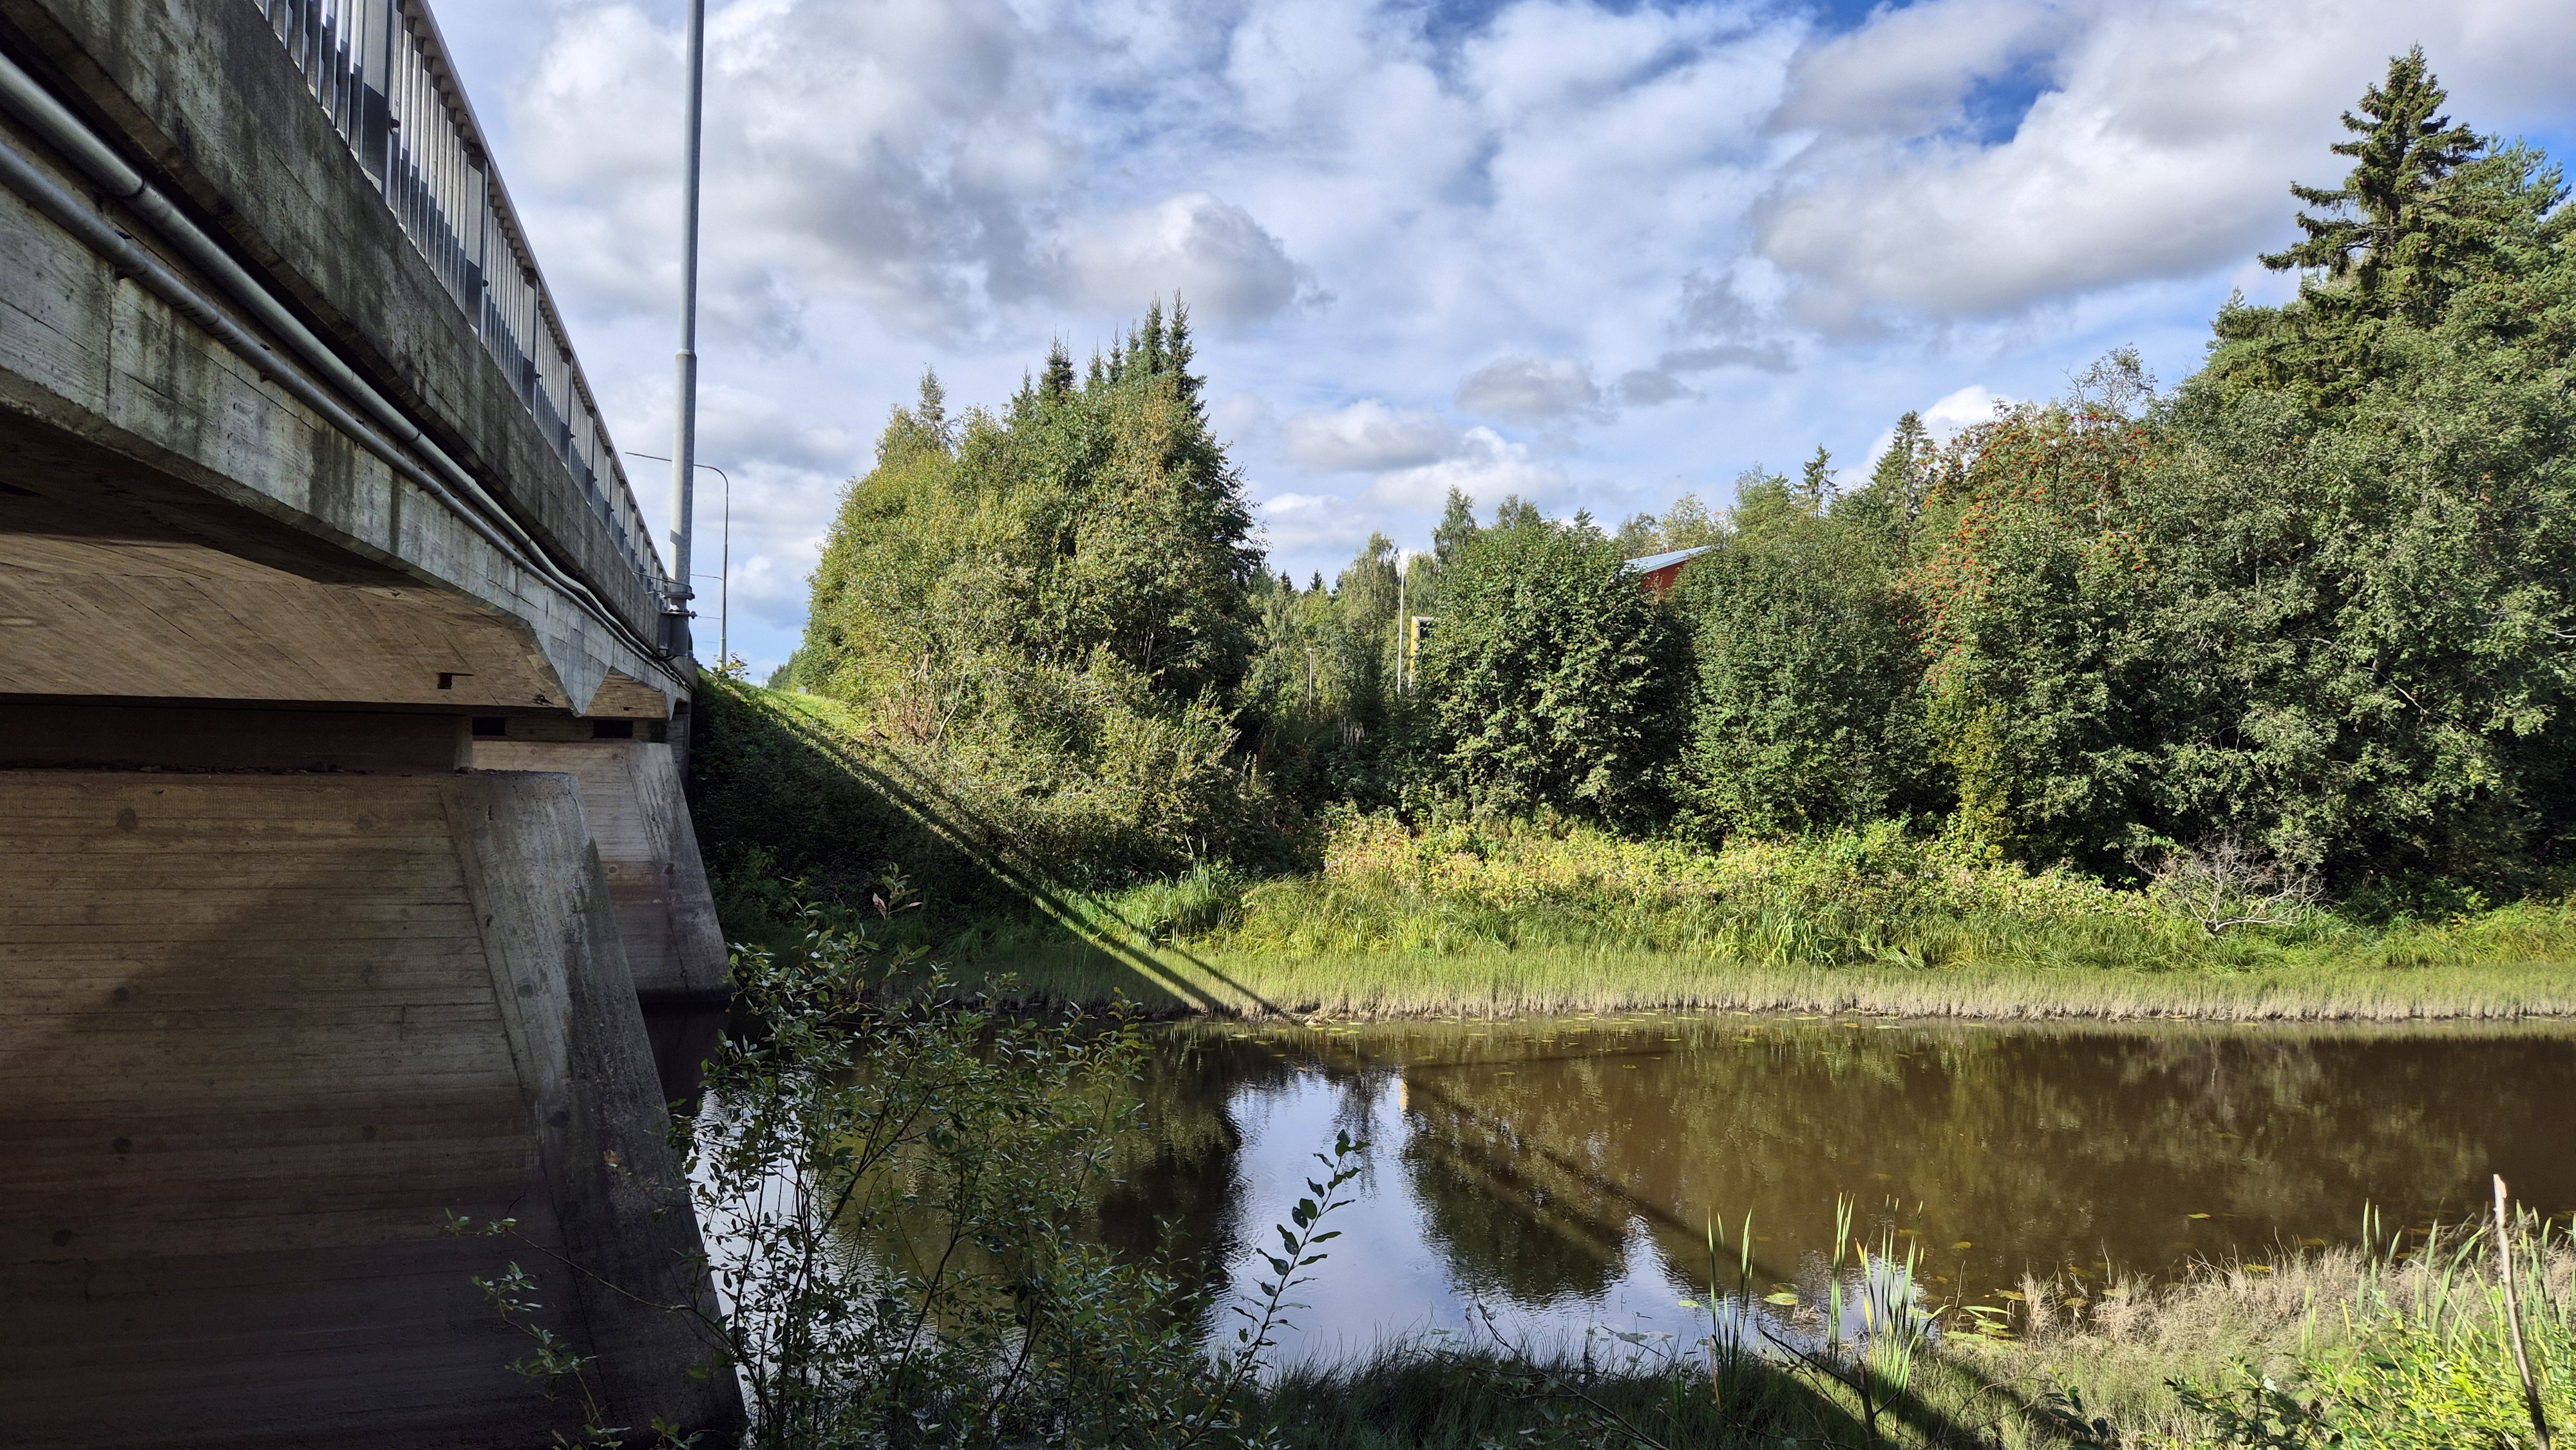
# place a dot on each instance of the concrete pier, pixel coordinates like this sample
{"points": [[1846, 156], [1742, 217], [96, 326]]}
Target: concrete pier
{"points": [[260, 1035]]}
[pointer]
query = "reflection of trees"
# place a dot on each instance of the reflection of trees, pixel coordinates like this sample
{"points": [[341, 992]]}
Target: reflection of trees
{"points": [[1510, 1221], [1175, 1186], [2037, 1145]]}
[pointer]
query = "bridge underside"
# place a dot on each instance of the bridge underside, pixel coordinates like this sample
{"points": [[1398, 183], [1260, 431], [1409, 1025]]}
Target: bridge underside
{"points": [[117, 581]]}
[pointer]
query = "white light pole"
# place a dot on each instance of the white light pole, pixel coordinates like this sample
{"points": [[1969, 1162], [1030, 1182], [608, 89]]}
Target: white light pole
{"points": [[1399, 621], [684, 442]]}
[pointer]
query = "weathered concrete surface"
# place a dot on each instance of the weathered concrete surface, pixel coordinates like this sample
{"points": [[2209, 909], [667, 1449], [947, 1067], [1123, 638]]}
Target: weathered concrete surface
{"points": [[259, 1034], [639, 815], [174, 525], [201, 91]]}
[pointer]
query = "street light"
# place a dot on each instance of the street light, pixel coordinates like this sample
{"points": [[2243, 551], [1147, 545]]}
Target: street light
{"points": [[684, 426], [724, 561]]}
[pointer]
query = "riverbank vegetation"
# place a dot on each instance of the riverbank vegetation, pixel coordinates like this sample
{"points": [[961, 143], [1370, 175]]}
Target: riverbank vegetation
{"points": [[897, 1183], [2404, 1344], [1499, 915], [2243, 693]]}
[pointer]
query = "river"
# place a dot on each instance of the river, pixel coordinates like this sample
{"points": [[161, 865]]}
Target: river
{"points": [[1563, 1174]]}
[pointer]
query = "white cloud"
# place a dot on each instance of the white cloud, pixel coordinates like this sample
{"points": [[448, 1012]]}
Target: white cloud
{"points": [[1945, 418], [1309, 527], [902, 154], [1530, 389], [1976, 403], [1486, 467], [1710, 232], [2160, 142], [1211, 252], [1366, 437]]}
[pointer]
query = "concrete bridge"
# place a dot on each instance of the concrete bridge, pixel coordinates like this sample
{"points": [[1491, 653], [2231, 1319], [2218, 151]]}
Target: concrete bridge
{"points": [[345, 876]]}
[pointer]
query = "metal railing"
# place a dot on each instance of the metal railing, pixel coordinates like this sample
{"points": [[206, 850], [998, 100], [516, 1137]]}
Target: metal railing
{"points": [[382, 76]]}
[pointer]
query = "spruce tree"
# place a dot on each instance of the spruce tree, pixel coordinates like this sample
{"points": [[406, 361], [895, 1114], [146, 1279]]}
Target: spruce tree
{"points": [[1816, 480], [1457, 529], [2376, 224], [1183, 353]]}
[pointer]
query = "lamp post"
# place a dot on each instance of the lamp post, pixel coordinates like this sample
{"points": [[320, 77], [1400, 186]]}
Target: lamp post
{"points": [[724, 560], [684, 444], [1399, 621]]}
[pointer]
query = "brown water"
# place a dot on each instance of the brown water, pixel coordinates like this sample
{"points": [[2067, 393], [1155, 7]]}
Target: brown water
{"points": [[1562, 1173]]}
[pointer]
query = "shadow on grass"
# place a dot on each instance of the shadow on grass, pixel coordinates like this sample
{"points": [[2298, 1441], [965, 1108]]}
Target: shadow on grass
{"points": [[820, 802]]}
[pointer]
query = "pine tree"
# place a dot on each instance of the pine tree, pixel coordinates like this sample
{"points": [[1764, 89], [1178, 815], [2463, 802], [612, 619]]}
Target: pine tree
{"points": [[1056, 384], [1907, 459], [2379, 226], [1816, 480], [2429, 214], [932, 410], [1457, 529], [1183, 353]]}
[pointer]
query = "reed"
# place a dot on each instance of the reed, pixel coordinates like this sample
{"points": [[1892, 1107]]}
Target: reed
{"points": [[2401, 1344], [1505, 982]]}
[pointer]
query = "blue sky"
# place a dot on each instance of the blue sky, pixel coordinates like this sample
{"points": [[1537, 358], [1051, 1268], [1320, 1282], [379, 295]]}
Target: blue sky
{"points": [[1594, 254]]}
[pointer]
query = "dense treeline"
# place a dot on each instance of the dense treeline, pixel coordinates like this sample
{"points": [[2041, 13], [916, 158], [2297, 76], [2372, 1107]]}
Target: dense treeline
{"points": [[2318, 601]]}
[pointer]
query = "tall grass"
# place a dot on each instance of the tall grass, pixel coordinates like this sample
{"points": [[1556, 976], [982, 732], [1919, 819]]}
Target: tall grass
{"points": [[1504, 917], [2398, 1345], [1523, 918]]}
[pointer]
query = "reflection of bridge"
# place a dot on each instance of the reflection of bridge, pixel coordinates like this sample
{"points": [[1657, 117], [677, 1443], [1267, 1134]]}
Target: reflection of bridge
{"points": [[340, 714]]}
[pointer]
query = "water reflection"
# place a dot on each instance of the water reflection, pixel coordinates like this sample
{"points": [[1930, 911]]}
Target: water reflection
{"points": [[1565, 1172]]}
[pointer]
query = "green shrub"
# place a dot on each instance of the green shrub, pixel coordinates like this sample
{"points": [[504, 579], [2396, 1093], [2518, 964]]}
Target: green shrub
{"points": [[1554, 678]]}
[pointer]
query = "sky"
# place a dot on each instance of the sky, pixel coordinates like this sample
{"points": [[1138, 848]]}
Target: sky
{"points": [[1594, 254]]}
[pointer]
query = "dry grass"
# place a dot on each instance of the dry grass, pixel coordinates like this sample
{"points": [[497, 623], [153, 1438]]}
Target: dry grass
{"points": [[1538, 981], [2122, 1345], [2119, 1347]]}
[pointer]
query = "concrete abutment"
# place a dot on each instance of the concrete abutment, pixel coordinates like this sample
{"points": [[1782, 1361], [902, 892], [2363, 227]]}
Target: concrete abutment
{"points": [[261, 1033]]}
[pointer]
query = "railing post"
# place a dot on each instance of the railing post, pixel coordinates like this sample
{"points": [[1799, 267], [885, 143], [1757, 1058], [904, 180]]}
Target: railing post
{"points": [[375, 57]]}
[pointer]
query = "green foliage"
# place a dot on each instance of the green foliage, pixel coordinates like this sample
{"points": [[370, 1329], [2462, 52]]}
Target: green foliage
{"points": [[790, 788], [1553, 676], [2431, 1365], [1805, 712], [1044, 611], [1686, 524], [2313, 612], [895, 1186], [2432, 225], [2364, 629], [2384, 223], [2025, 589], [2319, 603], [1079, 527], [1320, 702], [1870, 895]]}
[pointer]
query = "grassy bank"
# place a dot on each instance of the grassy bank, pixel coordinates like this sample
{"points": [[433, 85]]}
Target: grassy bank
{"points": [[1502, 918], [1490, 919], [1507, 983], [2405, 1346]]}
